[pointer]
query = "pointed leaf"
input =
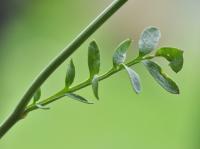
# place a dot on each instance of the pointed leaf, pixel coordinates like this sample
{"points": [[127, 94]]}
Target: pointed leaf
{"points": [[78, 98], [70, 74], [120, 53], [149, 40], [134, 78], [95, 86], [174, 56], [162, 79], [42, 107], [37, 95], [93, 59]]}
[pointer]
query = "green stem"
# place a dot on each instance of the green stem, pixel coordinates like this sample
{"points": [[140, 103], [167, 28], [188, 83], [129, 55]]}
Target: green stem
{"points": [[84, 84], [56, 62]]}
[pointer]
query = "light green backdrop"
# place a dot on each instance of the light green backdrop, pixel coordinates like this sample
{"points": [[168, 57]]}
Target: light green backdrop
{"points": [[121, 119]]}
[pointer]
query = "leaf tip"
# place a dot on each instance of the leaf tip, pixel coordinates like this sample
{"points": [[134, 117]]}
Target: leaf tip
{"points": [[70, 74], [93, 58], [134, 78], [95, 86]]}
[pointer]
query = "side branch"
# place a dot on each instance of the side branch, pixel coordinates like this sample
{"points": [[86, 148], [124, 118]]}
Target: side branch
{"points": [[82, 85], [56, 62]]}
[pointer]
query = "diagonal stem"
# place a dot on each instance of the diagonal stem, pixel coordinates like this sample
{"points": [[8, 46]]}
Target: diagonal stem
{"points": [[56, 62], [82, 85]]}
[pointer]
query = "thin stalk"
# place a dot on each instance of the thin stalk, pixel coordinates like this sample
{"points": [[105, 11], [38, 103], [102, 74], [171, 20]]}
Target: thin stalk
{"points": [[82, 85], [17, 114]]}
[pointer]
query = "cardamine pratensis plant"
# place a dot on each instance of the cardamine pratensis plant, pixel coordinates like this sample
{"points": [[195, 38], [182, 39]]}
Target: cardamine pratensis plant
{"points": [[147, 43]]}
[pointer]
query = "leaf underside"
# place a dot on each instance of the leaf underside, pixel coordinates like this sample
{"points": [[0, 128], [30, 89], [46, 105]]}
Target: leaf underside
{"points": [[161, 78], [149, 40], [120, 54], [78, 98], [95, 86], [42, 107], [134, 78]]}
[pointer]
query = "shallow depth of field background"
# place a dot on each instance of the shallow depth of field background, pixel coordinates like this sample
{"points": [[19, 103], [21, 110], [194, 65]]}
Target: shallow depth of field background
{"points": [[34, 32]]}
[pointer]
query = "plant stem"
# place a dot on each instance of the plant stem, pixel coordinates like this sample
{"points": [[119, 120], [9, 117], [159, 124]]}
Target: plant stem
{"points": [[56, 62], [84, 84]]}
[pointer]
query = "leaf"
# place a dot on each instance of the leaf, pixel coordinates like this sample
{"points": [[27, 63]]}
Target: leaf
{"points": [[149, 40], [162, 79], [174, 56], [42, 107], [93, 59], [95, 86], [78, 98], [70, 74], [134, 78], [37, 95], [120, 54]]}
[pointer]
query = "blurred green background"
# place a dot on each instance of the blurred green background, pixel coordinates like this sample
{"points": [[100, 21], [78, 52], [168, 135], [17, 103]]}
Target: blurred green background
{"points": [[36, 31]]}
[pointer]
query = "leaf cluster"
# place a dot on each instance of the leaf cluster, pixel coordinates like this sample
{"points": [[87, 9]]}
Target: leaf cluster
{"points": [[148, 42]]}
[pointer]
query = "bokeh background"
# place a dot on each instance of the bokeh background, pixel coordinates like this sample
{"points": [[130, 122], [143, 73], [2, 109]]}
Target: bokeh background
{"points": [[32, 32]]}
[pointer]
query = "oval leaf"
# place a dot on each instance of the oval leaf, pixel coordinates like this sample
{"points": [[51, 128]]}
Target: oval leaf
{"points": [[134, 78], [70, 74], [149, 40], [95, 86], [120, 54], [162, 79], [93, 59], [78, 98], [37, 95], [173, 55]]}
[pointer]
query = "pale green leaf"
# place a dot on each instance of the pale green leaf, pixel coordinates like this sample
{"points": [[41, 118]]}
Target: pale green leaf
{"points": [[42, 107], [162, 79], [78, 98], [120, 54], [134, 78], [149, 40], [95, 86]]}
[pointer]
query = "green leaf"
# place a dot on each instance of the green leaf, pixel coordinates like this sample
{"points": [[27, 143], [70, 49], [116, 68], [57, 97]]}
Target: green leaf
{"points": [[37, 95], [173, 55], [120, 54], [78, 98], [42, 107], [162, 79], [149, 40], [134, 78], [70, 74], [93, 59], [95, 86]]}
